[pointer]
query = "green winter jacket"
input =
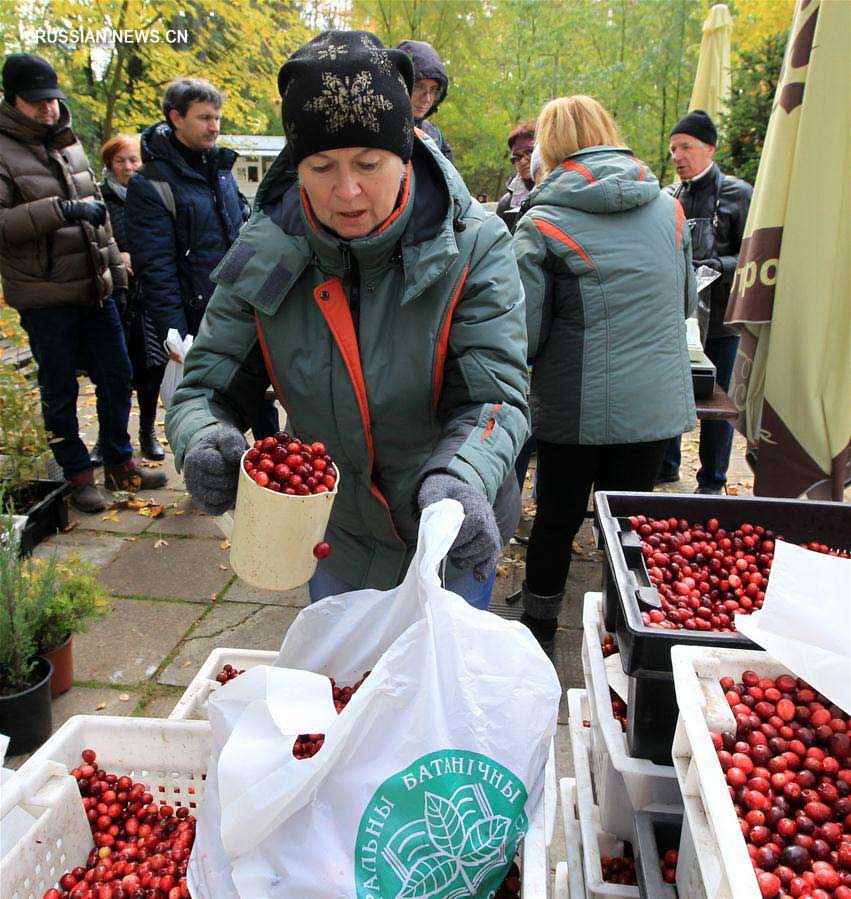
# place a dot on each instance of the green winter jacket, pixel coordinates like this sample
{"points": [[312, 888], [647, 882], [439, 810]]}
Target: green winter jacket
{"points": [[605, 261], [404, 352]]}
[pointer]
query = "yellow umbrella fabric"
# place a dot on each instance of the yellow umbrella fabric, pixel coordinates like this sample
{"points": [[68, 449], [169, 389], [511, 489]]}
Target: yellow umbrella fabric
{"points": [[711, 91], [792, 378]]}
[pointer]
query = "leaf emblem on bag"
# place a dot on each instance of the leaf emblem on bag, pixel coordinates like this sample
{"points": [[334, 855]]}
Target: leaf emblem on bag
{"points": [[444, 824], [430, 876], [484, 839]]}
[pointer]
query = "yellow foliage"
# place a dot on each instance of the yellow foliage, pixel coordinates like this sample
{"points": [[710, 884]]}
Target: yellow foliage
{"points": [[754, 20]]}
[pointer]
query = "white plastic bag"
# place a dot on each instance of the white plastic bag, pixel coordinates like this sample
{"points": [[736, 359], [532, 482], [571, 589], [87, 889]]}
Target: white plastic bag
{"points": [[173, 374], [425, 782]]}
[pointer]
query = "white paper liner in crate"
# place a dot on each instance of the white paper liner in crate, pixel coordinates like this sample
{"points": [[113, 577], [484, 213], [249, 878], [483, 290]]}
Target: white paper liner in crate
{"points": [[169, 757], [624, 784], [193, 703], [713, 861], [595, 841]]}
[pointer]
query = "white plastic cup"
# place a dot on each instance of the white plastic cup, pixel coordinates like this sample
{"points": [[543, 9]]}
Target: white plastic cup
{"points": [[273, 534]]}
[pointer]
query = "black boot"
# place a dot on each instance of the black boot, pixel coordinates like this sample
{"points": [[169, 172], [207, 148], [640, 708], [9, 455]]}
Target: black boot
{"points": [[96, 454], [148, 393], [540, 615], [151, 447]]}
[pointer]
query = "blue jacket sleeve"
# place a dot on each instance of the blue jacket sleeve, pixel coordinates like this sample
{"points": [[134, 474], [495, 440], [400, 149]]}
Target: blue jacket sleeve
{"points": [[152, 244]]}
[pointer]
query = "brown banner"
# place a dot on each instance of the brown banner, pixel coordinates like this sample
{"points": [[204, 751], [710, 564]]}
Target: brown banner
{"points": [[752, 293]]}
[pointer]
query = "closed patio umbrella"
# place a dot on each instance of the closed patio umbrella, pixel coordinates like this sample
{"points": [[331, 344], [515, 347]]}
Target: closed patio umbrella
{"points": [[792, 379], [711, 91]]}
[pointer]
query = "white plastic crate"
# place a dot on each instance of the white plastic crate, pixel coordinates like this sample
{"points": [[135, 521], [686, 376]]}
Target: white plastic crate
{"points": [[193, 703], [575, 888], [561, 887], [596, 842], [617, 775], [169, 757], [713, 861], [535, 861]]}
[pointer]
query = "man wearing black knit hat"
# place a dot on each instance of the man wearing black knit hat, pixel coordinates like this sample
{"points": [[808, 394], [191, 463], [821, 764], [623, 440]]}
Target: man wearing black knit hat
{"points": [[716, 208]]}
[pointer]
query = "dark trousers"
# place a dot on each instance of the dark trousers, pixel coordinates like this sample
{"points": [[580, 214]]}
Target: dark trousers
{"points": [[716, 437], [64, 340], [566, 475], [521, 466]]}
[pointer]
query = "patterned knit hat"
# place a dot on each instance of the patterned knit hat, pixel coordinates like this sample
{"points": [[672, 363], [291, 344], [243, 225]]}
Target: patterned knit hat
{"points": [[345, 89]]}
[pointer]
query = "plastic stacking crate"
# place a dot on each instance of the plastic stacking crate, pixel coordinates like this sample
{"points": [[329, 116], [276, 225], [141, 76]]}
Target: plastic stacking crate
{"points": [[169, 757], [656, 833], [714, 862], [193, 703], [616, 773], [645, 651], [596, 842], [571, 869]]}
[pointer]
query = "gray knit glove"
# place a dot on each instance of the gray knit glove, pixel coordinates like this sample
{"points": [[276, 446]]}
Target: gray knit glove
{"points": [[478, 544], [211, 469]]}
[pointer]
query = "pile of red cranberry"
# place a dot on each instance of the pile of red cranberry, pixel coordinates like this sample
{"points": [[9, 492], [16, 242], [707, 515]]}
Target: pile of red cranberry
{"points": [[286, 465], [141, 847], [228, 673], [609, 645], [619, 869], [788, 769], [706, 574], [668, 865]]}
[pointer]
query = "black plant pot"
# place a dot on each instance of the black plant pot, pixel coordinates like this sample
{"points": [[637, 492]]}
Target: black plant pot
{"points": [[25, 717], [46, 514]]}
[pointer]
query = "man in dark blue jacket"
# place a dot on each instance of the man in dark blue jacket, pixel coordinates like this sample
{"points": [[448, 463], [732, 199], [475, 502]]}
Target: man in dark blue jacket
{"points": [[183, 212]]}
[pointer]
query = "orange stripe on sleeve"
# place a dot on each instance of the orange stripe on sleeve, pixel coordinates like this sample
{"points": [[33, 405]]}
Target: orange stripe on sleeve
{"points": [[551, 230]]}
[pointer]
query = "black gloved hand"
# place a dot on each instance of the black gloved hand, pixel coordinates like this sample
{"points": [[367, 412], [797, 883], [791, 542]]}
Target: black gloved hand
{"points": [[91, 211], [714, 263]]}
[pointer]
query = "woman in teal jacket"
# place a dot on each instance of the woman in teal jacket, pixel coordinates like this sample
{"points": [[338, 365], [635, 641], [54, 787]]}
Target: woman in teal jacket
{"points": [[385, 307], [605, 262]]}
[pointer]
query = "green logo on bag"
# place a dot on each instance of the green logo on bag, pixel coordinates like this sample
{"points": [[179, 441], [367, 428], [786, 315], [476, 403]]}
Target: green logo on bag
{"points": [[447, 826]]}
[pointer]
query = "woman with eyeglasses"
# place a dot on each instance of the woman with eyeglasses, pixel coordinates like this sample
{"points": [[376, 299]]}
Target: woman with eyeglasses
{"points": [[430, 86], [605, 261], [521, 142]]}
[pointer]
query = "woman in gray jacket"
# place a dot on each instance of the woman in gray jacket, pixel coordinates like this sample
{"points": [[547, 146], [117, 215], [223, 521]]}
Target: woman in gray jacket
{"points": [[605, 260]]}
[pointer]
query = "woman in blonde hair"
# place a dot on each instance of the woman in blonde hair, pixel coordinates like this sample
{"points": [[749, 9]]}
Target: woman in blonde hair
{"points": [[605, 261]]}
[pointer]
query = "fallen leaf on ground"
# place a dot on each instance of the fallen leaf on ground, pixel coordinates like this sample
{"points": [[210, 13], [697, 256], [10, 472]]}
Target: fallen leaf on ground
{"points": [[501, 571], [70, 526], [578, 549], [152, 511], [225, 544], [180, 511], [113, 516], [100, 705], [160, 543], [124, 696], [223, 567]]}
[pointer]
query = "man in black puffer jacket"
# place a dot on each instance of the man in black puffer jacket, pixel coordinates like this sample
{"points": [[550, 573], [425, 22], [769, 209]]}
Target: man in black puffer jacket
{"points": [[183, 212], [716, 208]]}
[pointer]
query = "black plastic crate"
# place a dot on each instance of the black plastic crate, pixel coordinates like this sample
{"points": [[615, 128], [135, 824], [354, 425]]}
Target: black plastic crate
{"points": [[655, 834], [47, 515], [645, 652], [703, 378]]}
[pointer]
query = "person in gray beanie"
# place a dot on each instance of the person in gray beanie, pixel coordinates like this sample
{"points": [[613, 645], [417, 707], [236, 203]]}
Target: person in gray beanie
{"points": [[385, 307], [431, 84]]}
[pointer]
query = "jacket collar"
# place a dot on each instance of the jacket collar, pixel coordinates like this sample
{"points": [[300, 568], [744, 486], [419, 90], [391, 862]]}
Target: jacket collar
{"points": [[20, 127], [157, 146]]}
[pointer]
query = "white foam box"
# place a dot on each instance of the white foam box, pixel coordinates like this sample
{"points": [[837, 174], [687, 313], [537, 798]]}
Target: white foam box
{"points": [[596, 842], [617, 775], [713, 861], [169, 757]]}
